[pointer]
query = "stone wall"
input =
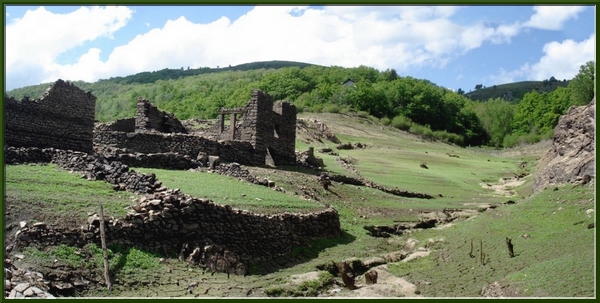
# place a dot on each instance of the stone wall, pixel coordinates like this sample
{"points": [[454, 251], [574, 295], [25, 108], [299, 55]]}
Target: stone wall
{"points": [[62, 118], [182, 144], [122, 125], [215, 236], [269, 127], [150, 118]]}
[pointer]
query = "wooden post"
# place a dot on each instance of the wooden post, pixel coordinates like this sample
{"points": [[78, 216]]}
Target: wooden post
{"points": [[481, 252], [103, 239]]}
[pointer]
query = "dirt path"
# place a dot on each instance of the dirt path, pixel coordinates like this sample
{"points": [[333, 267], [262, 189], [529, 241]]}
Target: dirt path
{"points": [[505, 186]]}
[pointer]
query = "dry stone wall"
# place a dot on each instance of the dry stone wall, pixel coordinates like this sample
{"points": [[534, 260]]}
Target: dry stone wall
{"points": [[150, 118], [181, 144], [215, 236], [121, 125], [62, 118]]}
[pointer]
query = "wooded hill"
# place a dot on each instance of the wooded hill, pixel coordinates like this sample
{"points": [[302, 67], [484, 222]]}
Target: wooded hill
{"points": [[514, 92], [414, 105]]}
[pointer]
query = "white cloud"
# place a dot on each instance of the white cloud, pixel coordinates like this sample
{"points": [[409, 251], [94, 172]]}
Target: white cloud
{"points": [[561, 60], [401, 37], [553, 17], [35, 40]]}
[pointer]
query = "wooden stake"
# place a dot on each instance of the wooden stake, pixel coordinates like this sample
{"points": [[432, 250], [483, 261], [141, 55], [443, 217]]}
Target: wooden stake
{"points": [[103, 239], [481, 251]]}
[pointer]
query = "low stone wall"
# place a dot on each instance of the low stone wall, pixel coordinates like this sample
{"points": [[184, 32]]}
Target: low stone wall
{"points": [[182, 144], [215, 236]]}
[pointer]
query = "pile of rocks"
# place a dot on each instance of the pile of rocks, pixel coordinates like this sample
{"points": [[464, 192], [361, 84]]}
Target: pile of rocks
{"points": [[20, 283], [307, 158]]}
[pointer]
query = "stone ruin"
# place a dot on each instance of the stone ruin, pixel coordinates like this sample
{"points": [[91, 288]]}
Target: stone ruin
{"points": [[62, 118], [59, 128], [260, 133]]}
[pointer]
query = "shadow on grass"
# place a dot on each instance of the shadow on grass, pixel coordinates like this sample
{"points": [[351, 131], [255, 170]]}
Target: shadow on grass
{"points": [[298, 169], [301, 254], [122, 253]]}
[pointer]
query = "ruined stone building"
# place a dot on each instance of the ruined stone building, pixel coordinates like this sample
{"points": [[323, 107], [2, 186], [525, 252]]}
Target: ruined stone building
{"points": [[62, 118], [269, 127], [262, 132]]}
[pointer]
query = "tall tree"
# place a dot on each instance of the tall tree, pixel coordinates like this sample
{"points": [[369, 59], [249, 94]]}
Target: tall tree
{"points": [[582, 86]]}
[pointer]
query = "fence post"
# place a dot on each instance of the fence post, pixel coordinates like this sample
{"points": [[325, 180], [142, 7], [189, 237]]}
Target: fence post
{"points": [[103, 239]]}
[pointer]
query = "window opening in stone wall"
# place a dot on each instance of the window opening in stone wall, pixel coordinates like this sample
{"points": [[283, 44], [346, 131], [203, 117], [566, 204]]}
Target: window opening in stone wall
{"points": [[269, 158], [276, 130]]}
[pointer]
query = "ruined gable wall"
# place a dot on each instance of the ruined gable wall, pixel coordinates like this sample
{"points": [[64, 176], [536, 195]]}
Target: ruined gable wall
{"points": [[149, 118], [62, 118]]}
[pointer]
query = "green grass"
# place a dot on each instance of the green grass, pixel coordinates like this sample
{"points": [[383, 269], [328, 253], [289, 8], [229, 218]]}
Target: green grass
{"points": [[46, 189], [226, 190], [555, 261]]}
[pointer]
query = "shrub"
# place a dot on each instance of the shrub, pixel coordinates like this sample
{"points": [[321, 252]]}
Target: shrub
{"points": [[445, 136], [401, 122], [385, 121], [424, 131], [331, 108], [362, 114]]}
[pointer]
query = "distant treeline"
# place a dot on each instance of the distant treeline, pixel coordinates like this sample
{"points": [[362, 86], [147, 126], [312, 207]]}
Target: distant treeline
{"points": [[415, 105]]}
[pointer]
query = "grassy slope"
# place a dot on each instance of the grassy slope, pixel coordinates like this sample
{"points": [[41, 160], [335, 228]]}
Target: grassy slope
{"points": [[557, 255], [555, 260]]}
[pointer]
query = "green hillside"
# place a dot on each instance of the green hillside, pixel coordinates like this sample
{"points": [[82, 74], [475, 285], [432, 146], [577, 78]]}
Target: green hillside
{"points": [[514, 92], [482, 117]]}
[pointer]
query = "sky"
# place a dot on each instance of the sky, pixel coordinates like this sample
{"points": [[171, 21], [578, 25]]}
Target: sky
{"points": [[451, 46]]}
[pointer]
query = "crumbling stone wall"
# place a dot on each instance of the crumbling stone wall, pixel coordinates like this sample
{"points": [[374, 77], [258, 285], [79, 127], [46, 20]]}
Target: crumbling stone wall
{"points": [[122, 125], [216, 236], [183, 144], [269, 127], [265, 135], [150, 118], [62, 118]]}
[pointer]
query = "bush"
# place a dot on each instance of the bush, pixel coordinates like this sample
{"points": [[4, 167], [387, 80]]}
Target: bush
{"points": [[331, 108], [401, 122], [422, 131], [345, 110], [445, 136], [362, 114], [385, 121]]}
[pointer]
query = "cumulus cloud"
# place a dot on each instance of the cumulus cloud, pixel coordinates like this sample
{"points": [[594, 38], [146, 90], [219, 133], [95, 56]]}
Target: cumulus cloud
{"points": [[34, 41], [561, 60], [402, 37], [553, 17]]}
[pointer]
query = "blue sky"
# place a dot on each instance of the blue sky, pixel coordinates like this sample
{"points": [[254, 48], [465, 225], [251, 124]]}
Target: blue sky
{"points": [[451, 46]]}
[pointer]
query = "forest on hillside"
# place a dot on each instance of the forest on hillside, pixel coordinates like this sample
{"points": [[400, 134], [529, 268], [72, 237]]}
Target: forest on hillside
{"points": [[414, 105]]}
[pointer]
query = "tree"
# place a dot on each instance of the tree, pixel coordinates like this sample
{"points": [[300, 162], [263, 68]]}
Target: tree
{"points": [[496, 116], [582, 86], [460, 91], [478, 86]]}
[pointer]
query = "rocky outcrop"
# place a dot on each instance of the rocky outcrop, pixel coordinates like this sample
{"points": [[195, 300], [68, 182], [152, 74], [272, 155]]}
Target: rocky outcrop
{"points": [[572, 156]]}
